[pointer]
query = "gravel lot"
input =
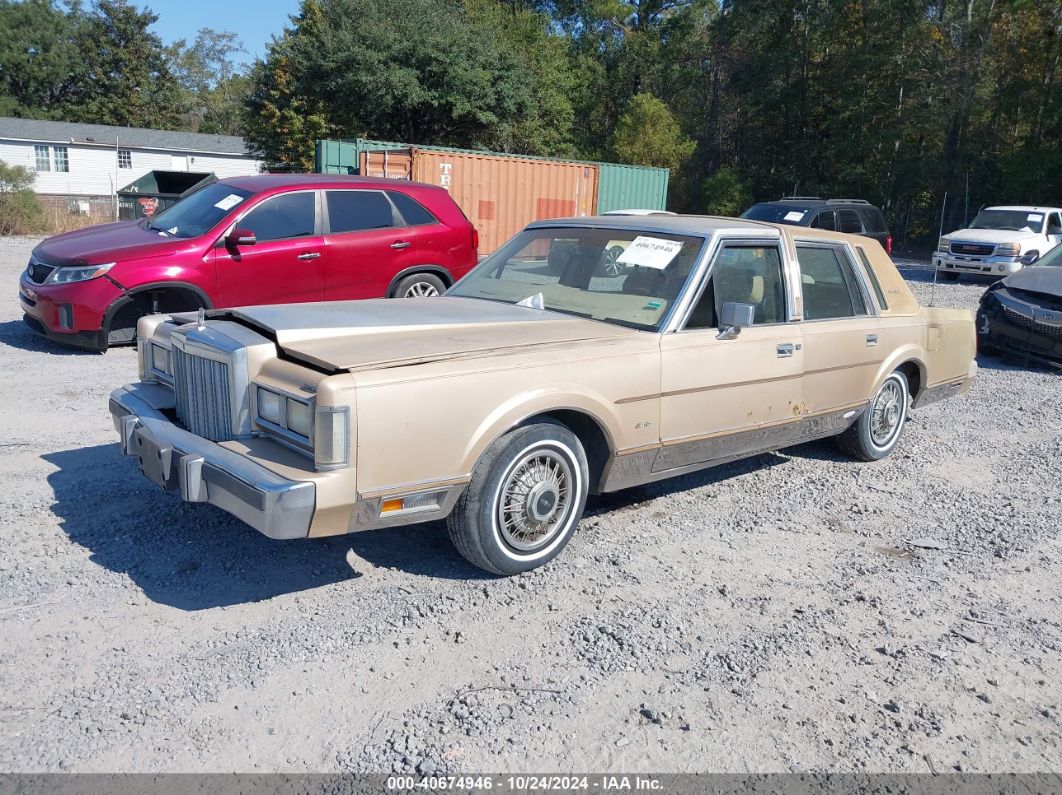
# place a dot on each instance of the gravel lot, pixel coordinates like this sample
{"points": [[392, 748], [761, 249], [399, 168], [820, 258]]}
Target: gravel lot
{"points": [[763, 616]]}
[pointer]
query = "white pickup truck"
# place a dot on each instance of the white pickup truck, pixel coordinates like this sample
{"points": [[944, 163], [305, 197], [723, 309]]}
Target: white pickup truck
{"points": [[999, 241]]}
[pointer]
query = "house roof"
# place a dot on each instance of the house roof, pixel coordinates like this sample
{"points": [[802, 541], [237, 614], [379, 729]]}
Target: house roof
{"points": [[61, 132]]}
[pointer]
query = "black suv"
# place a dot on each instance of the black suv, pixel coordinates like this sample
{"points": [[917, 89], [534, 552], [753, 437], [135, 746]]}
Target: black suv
{"points": [[854, 216]]}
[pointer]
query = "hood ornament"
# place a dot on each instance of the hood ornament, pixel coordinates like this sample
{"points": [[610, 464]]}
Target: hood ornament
{"points": [[201, 320]]}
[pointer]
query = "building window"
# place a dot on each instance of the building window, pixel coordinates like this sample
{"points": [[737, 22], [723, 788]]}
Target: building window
{"points": [[62, 160], [44, 162], [125, 158]]}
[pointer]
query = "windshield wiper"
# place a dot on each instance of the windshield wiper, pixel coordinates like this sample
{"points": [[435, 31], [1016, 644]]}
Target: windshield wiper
{"points": [[154, 228]]}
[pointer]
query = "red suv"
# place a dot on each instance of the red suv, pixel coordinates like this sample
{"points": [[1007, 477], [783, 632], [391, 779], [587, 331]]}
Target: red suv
{"points": [[249, 240]]}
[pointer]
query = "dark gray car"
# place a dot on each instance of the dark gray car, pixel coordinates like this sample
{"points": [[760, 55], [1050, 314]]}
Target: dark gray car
{"points": [[853, 216]]}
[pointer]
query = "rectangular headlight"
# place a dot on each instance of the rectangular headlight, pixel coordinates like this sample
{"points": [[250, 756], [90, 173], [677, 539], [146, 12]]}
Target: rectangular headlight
{"points": [[1011, 249], [160, 359], [331, 437], [299, 417], [270, 406]]}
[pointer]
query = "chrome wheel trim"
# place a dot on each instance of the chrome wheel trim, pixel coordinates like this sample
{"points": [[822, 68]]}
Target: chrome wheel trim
{"points": [[888, 413], [535, 499], [612, 267], [421, 290]]}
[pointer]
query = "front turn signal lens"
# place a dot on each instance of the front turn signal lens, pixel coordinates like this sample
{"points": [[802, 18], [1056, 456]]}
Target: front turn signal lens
{"points": [[390, 506], [331, 442]]}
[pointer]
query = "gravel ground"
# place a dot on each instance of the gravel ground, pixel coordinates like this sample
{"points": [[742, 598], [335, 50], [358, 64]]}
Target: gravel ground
{"points": [[763, 616]]}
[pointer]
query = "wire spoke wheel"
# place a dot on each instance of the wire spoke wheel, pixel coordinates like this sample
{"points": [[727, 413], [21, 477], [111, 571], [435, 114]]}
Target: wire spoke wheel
{"points": [[421, 290], [887, 413], [535, 500]]}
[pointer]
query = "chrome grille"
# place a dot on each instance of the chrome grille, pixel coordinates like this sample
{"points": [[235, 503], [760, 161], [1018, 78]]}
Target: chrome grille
{"points": [[38, 271], [973, 249], [201, 387]]}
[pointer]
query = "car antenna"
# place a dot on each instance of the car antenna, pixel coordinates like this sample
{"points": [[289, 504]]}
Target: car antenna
{"points": [[936, 270]]}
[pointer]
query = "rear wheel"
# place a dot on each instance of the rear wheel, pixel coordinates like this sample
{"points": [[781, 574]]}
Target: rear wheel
{"points": [[420, 285], [524, 501], [876, 432]]}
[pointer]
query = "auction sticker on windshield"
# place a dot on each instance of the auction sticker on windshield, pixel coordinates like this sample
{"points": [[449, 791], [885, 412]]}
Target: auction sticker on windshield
{"points": [[795, 215], [650, 252], [229, 202]]}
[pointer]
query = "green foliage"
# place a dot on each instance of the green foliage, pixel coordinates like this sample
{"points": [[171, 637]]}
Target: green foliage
{"points": [[21, 212], [212, 89], [648, 134], [428, 71], [724, 193], [39, 57], [124, 77]]}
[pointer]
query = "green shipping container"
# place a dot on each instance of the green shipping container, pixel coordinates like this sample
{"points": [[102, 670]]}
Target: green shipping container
{"points": [[620, 187]]}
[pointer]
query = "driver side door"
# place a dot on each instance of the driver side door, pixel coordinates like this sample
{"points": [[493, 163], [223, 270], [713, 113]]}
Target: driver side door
{"points": [[725, 398], [285, 264]]}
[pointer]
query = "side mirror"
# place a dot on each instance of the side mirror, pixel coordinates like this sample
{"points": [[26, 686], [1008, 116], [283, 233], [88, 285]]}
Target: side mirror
{"points": [[240, 237], [733, 317]]}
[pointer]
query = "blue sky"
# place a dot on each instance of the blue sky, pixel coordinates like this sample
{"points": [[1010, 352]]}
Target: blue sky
{"points": [[256, 21]]}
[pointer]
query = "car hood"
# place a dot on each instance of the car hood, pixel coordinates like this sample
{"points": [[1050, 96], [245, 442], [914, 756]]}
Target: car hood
{"points": [[378, 333], [95, 245], [1037, 279], [989, 236]]}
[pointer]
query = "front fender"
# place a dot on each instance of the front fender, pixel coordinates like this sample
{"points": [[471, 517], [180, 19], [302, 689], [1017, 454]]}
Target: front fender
{"points": [[525, 405]]}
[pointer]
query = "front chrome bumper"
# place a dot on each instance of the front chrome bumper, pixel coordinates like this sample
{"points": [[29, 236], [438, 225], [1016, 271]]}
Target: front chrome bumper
{"points": [[986, 266], [203, 471]]}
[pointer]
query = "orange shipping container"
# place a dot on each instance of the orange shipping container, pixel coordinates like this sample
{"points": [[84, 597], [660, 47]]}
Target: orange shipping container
{"points": [[500, 195]]}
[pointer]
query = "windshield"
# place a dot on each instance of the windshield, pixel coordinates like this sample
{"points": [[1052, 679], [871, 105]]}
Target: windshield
{"points": [[777, 214], [626, 277], [1052, 258], [1012, 220], [198, 212]]}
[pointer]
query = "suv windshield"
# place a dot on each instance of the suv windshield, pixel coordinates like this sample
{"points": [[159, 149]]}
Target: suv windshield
{"points": [[776, 213], [1012, 220], [198, 212], [626, 277]]}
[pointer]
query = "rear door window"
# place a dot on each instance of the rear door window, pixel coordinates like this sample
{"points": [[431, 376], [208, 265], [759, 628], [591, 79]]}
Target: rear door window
{"points": [[357, 210], [282, 217], [828, 283], [413, 212], [848, 222]]}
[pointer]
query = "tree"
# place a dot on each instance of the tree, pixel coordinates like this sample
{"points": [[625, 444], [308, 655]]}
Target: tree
{"points": [[648, 134], [39, 57], [124, 77], [213, 89], [426, 71], [21, 212]]}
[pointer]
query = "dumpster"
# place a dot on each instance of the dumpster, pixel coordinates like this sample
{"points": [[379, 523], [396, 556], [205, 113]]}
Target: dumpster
{"points": [[157, 190]]}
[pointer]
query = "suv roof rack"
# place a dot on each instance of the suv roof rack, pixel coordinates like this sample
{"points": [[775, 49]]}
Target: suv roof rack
{"points": [[847, 201], [800, 198]]}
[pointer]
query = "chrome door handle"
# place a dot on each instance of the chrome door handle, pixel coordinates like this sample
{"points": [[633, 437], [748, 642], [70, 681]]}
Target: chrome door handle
{"points": [[309, 255], [785, 350], [401, 244], [872, 340]]}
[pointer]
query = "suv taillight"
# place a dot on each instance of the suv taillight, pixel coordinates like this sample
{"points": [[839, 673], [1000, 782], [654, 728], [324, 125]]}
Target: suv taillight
{"points": [[475, 239], [888, 244]]}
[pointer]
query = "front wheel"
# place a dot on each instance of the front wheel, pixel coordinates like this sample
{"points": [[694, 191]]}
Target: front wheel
{"points": [[526, 496], [877, 431]]}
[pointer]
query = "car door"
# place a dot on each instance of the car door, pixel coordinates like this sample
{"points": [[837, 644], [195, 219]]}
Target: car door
{"points": [[721, 398], [840, 329], [367, 244], [286, 261], [1053, 230]]}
